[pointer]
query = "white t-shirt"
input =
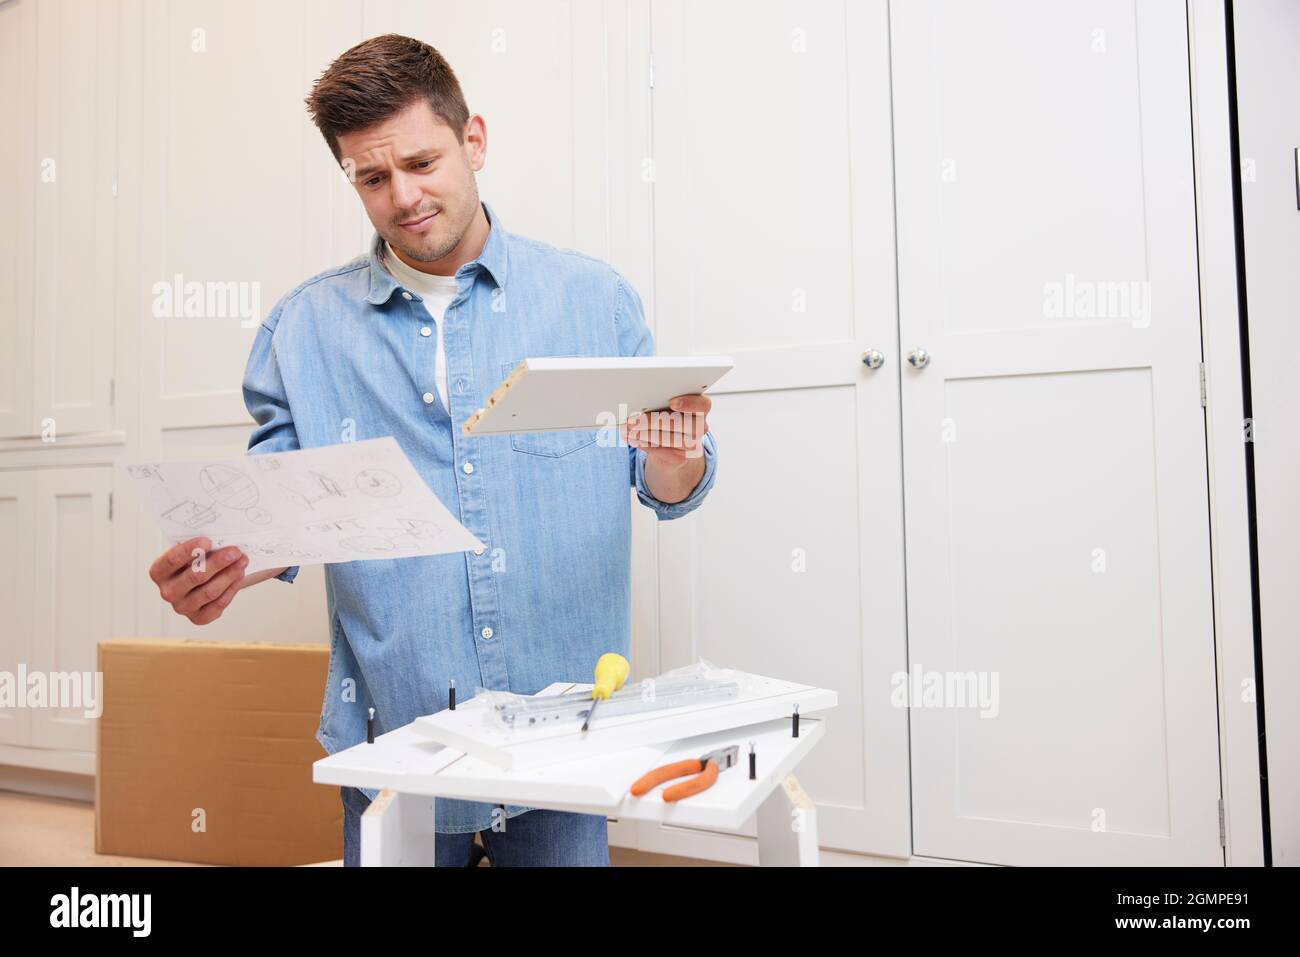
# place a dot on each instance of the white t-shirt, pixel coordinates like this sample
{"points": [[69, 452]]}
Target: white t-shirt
{"points": [[437, 293]]}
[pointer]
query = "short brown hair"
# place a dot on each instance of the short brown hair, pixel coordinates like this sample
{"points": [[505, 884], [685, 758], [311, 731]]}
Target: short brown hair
{"points": [[380, 77]]}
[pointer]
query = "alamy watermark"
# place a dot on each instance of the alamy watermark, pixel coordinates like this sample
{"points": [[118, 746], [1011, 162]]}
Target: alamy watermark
{"points": [[946, 689], [1096, 299], [75, 909], [192, 299], [53, 689], [666, 429]]}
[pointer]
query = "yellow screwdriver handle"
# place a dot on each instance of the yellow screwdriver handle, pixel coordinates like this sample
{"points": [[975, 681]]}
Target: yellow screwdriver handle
{"points": [[611, 672]]}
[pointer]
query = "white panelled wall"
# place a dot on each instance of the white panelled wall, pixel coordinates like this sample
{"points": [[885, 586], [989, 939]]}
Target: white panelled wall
{"points": [[819, 189], [1267, 35]]}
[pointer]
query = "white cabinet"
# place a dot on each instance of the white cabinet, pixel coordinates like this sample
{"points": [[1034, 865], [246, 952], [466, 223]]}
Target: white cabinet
{"points": [[240, 199], [73, 597], [56, 600], [76, 139], [58, 333], [17, 561], [774, 244], [20, 173], [1050, 441], [60, 99], [1054, 444]]}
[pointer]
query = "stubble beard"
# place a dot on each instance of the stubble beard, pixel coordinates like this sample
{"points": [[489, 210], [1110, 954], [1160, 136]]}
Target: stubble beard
{"points": [[444, 248]]}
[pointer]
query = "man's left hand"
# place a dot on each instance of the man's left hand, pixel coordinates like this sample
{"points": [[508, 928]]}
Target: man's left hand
{"points": [[672, 438]]}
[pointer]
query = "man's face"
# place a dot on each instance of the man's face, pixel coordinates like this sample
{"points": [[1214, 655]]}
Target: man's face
{"points": [[416, 180]]}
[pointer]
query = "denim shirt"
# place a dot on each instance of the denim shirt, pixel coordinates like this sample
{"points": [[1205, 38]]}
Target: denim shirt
{"points": [[342, 358]]}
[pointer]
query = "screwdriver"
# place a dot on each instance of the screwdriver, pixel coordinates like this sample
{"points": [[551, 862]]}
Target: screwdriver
{"points": [[611, 672]]}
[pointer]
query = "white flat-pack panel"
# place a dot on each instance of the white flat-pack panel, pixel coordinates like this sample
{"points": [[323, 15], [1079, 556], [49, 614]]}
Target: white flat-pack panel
{"points": [[554, 394], [471, 727], [409, 763]]}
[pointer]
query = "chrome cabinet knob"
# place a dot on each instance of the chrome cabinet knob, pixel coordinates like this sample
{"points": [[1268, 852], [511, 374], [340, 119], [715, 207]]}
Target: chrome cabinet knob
{"points": [[873, 359], [918, 358]]}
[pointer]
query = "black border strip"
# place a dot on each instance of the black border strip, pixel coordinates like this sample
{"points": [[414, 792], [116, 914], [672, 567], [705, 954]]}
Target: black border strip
{"points": [[1234, 136]]}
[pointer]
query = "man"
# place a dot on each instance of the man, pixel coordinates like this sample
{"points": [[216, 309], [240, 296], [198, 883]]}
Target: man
{"points": [[408, 341]]}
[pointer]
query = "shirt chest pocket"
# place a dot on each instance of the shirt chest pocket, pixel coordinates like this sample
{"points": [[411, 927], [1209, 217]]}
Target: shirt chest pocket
{"points": [[551, 444]]}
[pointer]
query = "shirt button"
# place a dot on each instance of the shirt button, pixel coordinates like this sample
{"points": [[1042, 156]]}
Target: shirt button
{"points": [[480, 550], [426, 332], [406, 295], [486, 633], [468, 468], [428, 400]]}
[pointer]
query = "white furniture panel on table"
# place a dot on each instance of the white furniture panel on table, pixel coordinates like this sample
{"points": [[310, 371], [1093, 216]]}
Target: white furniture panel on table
{"points": [[411, 768]]}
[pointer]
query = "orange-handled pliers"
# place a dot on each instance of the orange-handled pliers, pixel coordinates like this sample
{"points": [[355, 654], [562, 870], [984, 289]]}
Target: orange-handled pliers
{"points": [[706, 770]]}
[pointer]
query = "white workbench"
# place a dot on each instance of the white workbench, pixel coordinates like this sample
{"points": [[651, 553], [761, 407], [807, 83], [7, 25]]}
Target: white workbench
{"points": [[409, 770]]}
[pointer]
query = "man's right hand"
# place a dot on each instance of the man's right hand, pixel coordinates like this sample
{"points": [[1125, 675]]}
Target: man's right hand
{"points": [[197, 584]]}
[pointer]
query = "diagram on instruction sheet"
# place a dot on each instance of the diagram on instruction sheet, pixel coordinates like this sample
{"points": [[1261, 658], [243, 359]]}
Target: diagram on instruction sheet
{"points": [[335, 503]]}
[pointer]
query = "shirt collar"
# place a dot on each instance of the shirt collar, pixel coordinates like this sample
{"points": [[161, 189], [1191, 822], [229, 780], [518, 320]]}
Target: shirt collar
{"points": [[493, 258]]}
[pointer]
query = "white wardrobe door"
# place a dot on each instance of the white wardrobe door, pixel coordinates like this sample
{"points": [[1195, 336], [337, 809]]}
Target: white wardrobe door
{"points": [[19, 170], [75, 215], [1058, 568], [773, 244], [73, 602]]}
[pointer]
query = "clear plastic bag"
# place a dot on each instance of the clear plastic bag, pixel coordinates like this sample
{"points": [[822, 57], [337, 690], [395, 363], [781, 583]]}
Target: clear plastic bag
{"points": [[698, 683]]}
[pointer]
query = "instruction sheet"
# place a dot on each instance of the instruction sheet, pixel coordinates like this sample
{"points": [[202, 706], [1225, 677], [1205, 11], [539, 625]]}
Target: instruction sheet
{"points": [[336, 503]]}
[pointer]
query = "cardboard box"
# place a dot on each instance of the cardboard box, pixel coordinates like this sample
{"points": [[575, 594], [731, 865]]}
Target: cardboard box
{"points": [[205, 752]]}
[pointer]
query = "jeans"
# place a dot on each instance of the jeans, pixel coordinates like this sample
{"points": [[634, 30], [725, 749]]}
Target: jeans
{"points": [[536, 838]]}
